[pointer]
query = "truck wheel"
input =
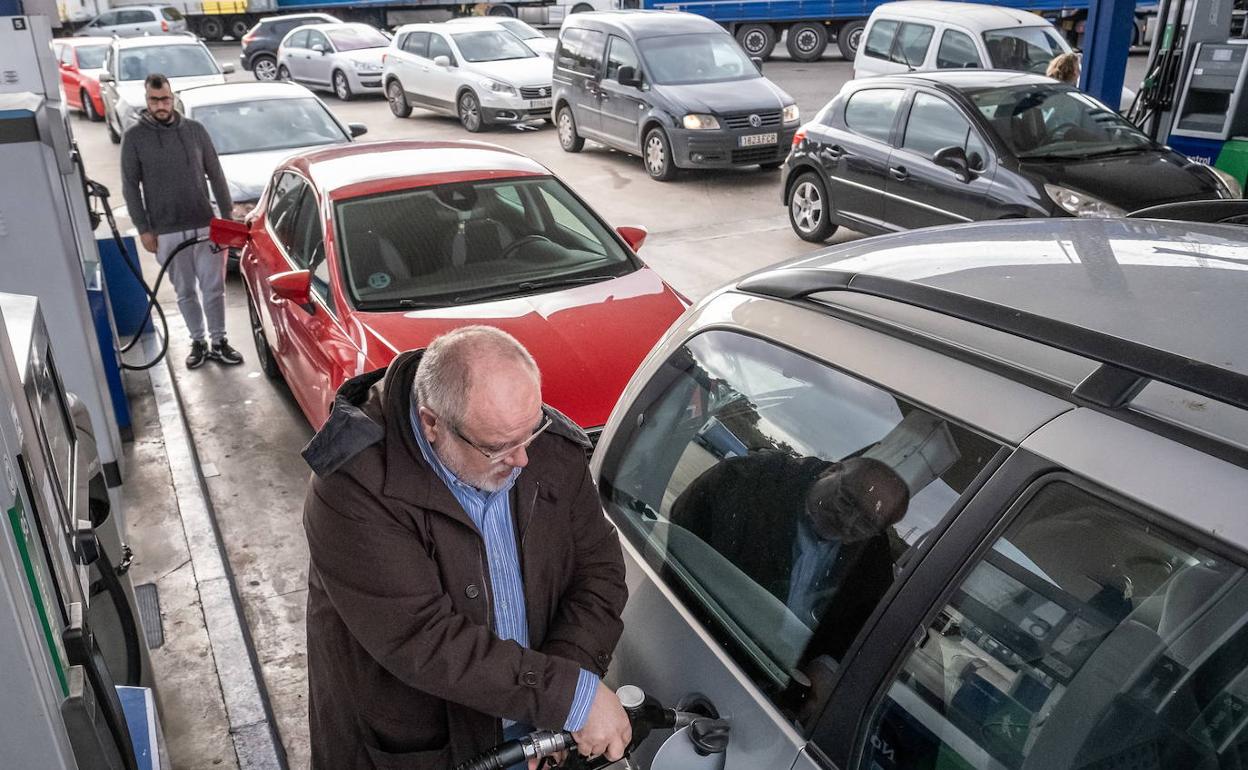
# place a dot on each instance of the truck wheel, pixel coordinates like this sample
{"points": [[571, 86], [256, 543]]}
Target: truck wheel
{"points": [[757, 40], [502, 10], [849, 37], [239, 26], [211, 28], [581, 8], [806, 41]]}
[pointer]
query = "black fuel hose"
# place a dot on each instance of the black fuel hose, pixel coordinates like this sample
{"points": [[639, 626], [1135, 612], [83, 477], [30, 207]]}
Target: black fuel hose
{"points": [[125, 617]]}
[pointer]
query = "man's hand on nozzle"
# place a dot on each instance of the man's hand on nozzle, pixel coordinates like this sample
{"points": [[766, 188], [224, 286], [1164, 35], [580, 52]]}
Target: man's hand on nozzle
{"points": [[607, 730], [149, 241]]}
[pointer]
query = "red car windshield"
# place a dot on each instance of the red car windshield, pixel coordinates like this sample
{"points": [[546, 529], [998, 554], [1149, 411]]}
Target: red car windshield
{"points": [[472, 241]]}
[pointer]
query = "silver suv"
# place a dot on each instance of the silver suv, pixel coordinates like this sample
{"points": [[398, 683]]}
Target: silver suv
{"points": [[957, 498]]}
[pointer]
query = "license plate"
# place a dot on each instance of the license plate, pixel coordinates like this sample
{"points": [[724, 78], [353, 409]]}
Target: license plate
{"points": [[756, 140], [540, 104]]}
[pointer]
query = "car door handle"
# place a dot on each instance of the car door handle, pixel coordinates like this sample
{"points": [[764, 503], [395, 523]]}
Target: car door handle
{"points": [[835, 152], [899, 173]]}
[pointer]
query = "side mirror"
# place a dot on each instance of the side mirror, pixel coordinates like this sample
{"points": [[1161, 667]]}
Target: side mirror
{"points": [[954, 159], [633, 236], [294, 285], [106, 77], [227, 69], [627, 76], [758, 63], [357, 129], [228, 234], [442, 61], [319, 48]]}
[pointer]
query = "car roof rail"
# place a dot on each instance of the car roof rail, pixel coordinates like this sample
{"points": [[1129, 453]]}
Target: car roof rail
{"points": [[1125, 366], [1226, 211]]}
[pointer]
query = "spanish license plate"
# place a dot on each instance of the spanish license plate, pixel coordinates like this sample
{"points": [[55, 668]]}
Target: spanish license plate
{"points": [[539, 104], [756, 140]]}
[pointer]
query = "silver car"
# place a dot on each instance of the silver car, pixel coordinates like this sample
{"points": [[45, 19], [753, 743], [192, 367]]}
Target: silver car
{"points": [[135, 21], [344, 58], [957, 498], [184, 60]]}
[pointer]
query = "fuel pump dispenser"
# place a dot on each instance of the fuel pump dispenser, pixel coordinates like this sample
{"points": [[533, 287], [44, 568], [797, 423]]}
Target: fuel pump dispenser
{"points": [[60, 706]]}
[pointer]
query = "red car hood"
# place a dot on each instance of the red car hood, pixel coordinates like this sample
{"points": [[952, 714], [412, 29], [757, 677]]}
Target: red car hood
{"points": [[587, 340]]}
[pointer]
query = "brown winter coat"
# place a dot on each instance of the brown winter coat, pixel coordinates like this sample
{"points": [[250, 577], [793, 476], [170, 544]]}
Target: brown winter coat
{"points": [[404, 668]]}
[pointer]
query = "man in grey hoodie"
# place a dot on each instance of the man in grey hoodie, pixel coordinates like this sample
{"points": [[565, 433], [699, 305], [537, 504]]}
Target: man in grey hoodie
{"points": [[167, 161]]}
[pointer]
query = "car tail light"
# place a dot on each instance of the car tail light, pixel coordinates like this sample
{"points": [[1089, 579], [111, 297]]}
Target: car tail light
{"points": [[383, 58], [248, 38], [164, 26], [799, 137]]}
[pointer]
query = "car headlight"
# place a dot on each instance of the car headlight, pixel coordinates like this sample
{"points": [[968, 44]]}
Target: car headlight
{"points": [[700, 122], [1228, 186], [1081, 204], [366, 66], [499, 88], [240, 211], [791, 114]]}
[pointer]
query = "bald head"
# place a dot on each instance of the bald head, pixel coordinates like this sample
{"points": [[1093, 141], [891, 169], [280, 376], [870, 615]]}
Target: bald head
{"points": [[856, 500], [473, 369]]}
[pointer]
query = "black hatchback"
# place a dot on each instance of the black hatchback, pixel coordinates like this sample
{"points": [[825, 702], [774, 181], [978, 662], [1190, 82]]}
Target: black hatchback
{"points": [[900, 152]]}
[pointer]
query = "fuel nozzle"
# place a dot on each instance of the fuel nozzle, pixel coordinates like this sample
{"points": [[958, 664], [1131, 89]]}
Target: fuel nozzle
{"points": [[644, 713]]}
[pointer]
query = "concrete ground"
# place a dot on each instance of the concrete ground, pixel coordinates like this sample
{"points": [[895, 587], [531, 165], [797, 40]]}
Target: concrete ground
{"points": [[705, 228]]}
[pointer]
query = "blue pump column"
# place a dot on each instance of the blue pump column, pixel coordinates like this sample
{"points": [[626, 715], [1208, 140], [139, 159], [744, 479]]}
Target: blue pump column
{"points": [[1106, 43]]}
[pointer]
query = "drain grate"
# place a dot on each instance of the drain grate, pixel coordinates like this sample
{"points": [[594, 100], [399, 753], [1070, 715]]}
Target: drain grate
{"points": [[148, 599]]}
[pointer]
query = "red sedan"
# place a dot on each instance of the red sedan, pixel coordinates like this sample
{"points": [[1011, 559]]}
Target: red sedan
{"points": [[81, 61], [358, 252]]}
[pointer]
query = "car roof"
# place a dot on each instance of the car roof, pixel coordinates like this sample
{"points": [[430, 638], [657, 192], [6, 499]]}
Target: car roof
{"points": [[243, 91], [643, 24], [975, 15], [146, 41], [327, 25], [348, 165], [461, 25], [959, 79], [1064, 297], [296, 17]]}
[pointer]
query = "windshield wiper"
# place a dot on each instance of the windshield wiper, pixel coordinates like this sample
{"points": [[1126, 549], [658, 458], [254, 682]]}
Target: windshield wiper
{"points": [[1084, 155], [398, 304], [528, 287]]}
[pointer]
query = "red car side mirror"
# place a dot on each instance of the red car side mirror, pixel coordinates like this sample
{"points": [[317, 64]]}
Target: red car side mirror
{"points": [[294, 285], [228, 234], [633, 236]]}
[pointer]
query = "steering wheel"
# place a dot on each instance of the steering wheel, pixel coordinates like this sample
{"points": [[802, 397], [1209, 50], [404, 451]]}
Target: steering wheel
{"points": [[521, 242], [1058, 134]]}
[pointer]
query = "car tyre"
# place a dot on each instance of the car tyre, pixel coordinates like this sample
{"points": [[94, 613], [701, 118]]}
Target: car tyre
{"points": [[502, 10], [581, 8], [283, 73], [656, 154], [264, 68], [88, 107], [114, 135], [810, 210], [807, 41], [569, 140], [848, 38], [264, 353], [757, 40], [342, 86], [397, 99], [469, 109]]}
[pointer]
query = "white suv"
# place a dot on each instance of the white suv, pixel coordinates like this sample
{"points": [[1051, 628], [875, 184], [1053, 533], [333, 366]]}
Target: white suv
{"points": [[477, 72]]}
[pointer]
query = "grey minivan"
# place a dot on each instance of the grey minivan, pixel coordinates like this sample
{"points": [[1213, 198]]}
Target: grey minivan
{"points": [[959, 498], [674, 88]]}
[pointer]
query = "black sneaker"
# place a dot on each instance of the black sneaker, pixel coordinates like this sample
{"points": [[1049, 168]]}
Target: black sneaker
{"points": [[199, 353], [221, 351]]}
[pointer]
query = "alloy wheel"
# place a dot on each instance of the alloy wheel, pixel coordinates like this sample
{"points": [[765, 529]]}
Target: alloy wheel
{"points": [[264, 68], [397, 99], [341, 88], [470, 112], [807, 207]]}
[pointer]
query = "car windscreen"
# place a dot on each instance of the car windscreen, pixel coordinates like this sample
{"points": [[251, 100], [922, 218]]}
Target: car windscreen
{"points": [[1026, 49], [356, 38], [269, 124], [710, 57], [172, 61], [467, 242], [91, 57], [491, 45], [520, 29], [1056, 122]]}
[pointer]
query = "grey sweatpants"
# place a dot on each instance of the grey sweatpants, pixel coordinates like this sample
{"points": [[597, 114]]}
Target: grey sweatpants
{"points": [[198, 275]]}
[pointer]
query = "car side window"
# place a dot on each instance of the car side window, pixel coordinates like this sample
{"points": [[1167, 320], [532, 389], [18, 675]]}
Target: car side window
{"points": [[417, 44], [1087, 636], [439, 47], [315, 38], [106, 19], [283, 205], [880, 39], [580, 50], [621, 54], [298, 40], [912, 43], [171, 14], [957, 51], [871, 112], [933, 125], [779, 497], [308, 244], [68, 56]]}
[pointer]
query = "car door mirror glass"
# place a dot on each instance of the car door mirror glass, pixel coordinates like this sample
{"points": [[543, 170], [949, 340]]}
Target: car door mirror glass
{"points": [[357, 129], [442, 61], [954, 159], [627, 76]]}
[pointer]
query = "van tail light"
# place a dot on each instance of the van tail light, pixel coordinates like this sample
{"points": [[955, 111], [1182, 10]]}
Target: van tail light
{"points": [[799, 137], [164, 26], [383, 57]]}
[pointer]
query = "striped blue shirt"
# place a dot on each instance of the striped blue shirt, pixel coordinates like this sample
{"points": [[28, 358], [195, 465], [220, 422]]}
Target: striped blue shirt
{"points": [[491, 512]]}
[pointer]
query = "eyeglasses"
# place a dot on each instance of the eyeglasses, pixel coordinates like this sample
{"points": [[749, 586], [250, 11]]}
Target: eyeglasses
{"points": [[494, 454]]}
